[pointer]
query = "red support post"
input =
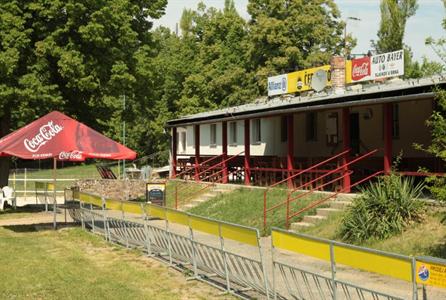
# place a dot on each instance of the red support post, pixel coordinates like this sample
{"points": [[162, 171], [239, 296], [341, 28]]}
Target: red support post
{"points": [[174, 152], [290, 154], [225, 151], [346, 146], [247, 154], [388, 126], [197, 152]]}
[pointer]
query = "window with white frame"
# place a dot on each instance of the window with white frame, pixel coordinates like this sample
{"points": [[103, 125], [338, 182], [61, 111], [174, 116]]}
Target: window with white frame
{"points": [[182, 141], [256, 131], [233, 133], [213, 137]]}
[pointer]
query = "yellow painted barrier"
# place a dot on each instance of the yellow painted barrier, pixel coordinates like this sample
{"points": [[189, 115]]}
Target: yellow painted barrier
{"points": [[40, 185], [87, 198], [204, 225], [132, 207], [156, 211], [50, 186], [177, 217], [240, 234], [302, 245], [76, 194], [373, 262], [431, 273], [113, 204]]}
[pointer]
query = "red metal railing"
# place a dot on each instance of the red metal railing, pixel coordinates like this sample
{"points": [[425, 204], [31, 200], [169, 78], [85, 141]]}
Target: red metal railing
{"points": [[301, 172], [192, 167], [211, 177], [290, 199]]}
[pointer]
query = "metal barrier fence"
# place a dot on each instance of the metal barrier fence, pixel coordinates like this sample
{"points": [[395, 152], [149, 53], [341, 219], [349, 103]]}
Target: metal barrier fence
{"points": [[44, 193], [175, 239], [236, 273]]}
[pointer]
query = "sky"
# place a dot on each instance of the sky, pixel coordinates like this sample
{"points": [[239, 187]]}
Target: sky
{"points": [[426, 22]]}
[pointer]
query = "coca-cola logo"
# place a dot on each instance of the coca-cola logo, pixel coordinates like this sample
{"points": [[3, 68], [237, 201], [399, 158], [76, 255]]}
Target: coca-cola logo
{"points": [[360, 68], [46, 133], [74, 155]]}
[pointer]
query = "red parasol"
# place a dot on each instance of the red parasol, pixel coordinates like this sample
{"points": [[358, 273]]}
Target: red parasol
{"points": [[60, 137]]}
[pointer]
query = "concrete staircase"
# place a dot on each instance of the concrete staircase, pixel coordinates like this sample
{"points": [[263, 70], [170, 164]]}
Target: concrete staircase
{"points": [[338, 204], [207, 195]]}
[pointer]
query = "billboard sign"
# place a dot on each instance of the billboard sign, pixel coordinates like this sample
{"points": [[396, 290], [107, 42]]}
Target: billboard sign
{"points": [[278, 85], [377, 67], [156, 193]]}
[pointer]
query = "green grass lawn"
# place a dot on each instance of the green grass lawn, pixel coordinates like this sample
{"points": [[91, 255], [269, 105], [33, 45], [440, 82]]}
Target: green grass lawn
{"points": [[245, 206], [425, 238], [74, 264]]}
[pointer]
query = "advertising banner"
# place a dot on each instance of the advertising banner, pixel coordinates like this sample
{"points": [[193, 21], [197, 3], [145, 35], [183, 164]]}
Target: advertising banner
{"points": [[278, 85], [376, 67], [156, 193]]}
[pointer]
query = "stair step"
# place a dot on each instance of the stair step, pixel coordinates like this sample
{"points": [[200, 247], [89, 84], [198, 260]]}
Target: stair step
{"points": [[327, 211], [314, 219], [299, 225], [340, 204]]}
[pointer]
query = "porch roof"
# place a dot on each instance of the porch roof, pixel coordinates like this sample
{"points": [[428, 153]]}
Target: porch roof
{"points": [[356, 95]]}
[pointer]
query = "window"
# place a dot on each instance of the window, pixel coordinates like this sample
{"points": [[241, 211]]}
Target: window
{"points": [[311, 126], [183, 141], [233, 133], [284, 129], [213, 140], [256, 133], [396, 121]]}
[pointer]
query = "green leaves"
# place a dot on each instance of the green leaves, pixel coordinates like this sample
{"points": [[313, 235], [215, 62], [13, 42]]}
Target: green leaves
{"points": [[384, 209]]}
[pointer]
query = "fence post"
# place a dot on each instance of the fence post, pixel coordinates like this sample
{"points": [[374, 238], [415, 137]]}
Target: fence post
{"points": [[265, 279], [273, 267], [105, 219], [169, 241], [333, 270], [92, 217], [46, 196], [125, 227], [414, 280], [194, 252], [25, 187], [148, 242], [225, 261], [82, 214]]}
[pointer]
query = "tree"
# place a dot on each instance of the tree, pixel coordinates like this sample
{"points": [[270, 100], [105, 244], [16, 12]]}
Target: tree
{"points": [[289, 35], [394, 15], [75, 56]]}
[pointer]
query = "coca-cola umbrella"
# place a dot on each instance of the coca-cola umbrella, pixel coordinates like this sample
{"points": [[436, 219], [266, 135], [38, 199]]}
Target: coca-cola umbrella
{"points": [[62, 138]]}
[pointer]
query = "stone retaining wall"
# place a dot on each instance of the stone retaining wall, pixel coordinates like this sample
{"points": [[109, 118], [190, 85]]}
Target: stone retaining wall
{"points": [[111, 188]]}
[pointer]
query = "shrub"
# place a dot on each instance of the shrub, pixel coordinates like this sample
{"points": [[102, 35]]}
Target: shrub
{"points": [[385, 208]]}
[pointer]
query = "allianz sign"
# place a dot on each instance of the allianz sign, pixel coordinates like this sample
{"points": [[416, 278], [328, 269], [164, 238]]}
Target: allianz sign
{"points": [[277, 85]]}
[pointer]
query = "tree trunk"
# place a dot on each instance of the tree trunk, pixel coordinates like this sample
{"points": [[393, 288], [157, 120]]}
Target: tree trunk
{"points": [[5, 124]]}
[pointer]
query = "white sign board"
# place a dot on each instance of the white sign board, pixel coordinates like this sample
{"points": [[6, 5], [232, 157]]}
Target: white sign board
{"points": [[277, 85], [378, 66]]}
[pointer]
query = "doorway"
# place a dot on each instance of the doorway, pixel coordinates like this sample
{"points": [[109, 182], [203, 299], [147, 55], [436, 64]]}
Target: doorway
{"points": [[354, 134]]}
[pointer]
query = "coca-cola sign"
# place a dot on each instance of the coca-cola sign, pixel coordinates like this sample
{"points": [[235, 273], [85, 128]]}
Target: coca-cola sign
{"points": [[73, 155], [46, 133], [360, 68]]}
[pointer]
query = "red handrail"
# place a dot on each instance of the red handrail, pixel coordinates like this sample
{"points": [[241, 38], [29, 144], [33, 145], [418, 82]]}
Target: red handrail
{"points": [[200, 164], [198, 175], [319, 202], [265, 210]]}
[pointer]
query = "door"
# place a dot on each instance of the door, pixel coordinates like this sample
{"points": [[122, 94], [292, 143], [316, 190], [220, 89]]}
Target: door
{"points": [[354, 133]]}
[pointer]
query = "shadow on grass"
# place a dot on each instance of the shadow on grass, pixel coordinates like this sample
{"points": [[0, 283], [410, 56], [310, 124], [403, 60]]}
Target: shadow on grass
{"points": [[38, 227], [29, 208]]}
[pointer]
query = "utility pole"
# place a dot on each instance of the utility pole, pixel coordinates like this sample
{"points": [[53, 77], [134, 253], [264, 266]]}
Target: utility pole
{"points": [[123, 138], [345, 33]]}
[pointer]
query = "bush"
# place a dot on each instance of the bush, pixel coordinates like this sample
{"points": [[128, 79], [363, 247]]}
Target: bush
{"points": [[385, 208]]}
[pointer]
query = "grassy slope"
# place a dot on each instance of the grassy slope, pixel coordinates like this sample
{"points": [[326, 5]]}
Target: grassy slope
{"points": [[73, 264], [245, 206], [426, 238]]}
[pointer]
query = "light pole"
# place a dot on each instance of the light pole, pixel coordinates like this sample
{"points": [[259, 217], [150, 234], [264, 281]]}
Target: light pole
{"points": [[123, 137], [345, 32]]}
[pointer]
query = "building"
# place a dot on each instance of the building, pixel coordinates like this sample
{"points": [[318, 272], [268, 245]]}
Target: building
{"points": [[328, 140]]}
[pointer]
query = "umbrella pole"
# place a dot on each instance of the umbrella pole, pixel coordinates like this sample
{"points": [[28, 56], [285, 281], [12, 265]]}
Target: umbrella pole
{"points": [[55, 199]]}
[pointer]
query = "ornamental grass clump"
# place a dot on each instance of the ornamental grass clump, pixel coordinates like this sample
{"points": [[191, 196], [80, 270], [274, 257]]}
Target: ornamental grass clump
{"points": [[384, 208]]}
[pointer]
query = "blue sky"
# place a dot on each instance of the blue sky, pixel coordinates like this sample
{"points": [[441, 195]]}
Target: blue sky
{"points": [[426, 22]]}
